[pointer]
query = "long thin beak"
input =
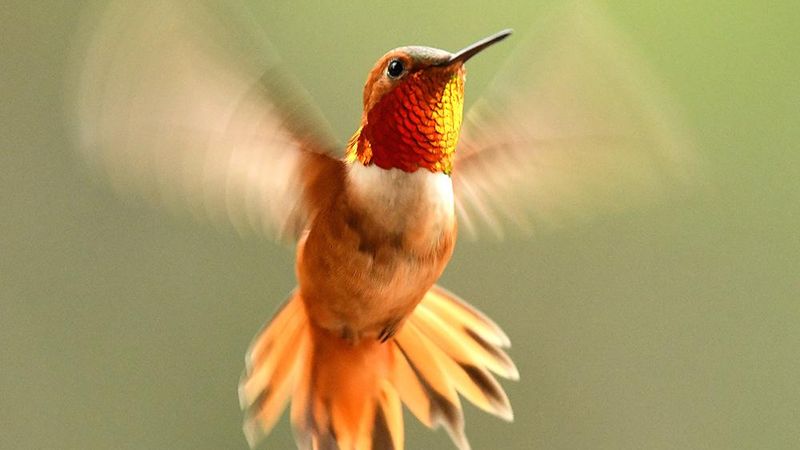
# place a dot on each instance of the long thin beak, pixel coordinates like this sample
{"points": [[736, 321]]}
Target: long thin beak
{"points": [[472, 50]]}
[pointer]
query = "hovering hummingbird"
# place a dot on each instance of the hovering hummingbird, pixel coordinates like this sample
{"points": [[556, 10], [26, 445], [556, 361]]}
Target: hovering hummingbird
{"points": [[191, 120]]}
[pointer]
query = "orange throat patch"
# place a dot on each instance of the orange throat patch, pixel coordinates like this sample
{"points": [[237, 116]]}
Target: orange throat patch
{"points": [[415, 125]]}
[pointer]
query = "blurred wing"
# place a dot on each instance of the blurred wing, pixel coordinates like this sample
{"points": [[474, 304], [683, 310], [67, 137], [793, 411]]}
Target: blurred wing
{"points": [[184, 105], [573, 126]]}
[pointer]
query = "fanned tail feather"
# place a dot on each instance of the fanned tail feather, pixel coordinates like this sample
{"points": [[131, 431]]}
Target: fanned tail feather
{"points": [[348, 396], [274, 363]]}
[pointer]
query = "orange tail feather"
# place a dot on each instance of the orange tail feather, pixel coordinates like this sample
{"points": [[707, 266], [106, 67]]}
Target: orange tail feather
{"points": [[347, 396]]}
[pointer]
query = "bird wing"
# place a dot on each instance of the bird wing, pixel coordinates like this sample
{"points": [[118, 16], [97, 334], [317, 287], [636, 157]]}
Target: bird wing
{"points": [[187, 106], [574, 125]]}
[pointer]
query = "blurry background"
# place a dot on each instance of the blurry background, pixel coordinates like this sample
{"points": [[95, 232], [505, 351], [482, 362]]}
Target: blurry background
{"points": [[670, 326]]}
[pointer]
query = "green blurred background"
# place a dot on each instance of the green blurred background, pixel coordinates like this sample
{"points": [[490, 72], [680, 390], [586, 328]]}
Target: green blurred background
{"points": [[670, 326]]}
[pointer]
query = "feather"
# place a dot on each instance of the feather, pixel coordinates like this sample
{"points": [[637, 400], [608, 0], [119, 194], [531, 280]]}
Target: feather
{"points": [[462, 345], [274, 362], [446, 407], [572, 126], [171, 105], [453, 310]]}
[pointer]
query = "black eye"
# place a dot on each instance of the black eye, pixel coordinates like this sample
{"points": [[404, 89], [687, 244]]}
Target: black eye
{"points": [[395, 68]]}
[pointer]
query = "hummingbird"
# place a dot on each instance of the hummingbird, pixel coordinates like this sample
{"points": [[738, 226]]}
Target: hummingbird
{"points": [[367, 329], [184, 119]]}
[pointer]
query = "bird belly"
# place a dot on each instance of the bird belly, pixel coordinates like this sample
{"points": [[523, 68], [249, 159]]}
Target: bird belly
{"points": [[362, 272]]}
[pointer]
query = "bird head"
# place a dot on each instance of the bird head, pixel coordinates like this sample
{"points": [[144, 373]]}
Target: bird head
{"points": [[413, 103]]}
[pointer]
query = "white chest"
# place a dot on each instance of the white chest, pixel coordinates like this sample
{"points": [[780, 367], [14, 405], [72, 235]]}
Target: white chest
{"points": [[399, 201]]}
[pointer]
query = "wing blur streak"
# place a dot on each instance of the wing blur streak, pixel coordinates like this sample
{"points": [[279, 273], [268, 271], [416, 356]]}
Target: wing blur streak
{"points": [[574, 125], [188, 107], [190, 111]]}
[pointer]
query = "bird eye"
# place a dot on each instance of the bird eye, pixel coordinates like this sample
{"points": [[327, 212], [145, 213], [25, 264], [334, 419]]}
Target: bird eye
{"points": [[395, 68]]}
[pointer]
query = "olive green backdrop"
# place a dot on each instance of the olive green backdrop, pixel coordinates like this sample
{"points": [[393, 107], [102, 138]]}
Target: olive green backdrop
{"points": [[667, 327]]}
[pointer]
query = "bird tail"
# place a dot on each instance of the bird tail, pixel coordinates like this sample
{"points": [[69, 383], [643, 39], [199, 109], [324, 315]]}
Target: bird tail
{"points": [[348, 396]]}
